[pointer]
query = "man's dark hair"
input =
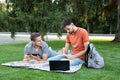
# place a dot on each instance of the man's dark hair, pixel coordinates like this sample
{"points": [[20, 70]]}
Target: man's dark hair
{"points": [[34, 36], [66, 22]]}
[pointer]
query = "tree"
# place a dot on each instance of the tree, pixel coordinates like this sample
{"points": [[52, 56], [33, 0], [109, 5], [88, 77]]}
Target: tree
{"points": [[46, 15], [117, 35], [3, 16], [38, 16], [93, 14]]}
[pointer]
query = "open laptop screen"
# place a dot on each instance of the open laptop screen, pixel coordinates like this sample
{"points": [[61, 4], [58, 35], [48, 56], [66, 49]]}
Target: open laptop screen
{"points": [[59, 65]]}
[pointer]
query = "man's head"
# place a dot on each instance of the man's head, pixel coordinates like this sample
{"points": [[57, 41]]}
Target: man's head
{"points": [[36, 39], [68, 25]]}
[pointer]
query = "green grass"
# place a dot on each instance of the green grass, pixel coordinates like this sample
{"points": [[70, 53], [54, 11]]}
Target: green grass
{"points": [[14, 52]]}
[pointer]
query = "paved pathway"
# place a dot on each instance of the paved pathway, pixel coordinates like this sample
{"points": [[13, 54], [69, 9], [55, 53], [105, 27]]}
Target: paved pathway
{"points": [[25, 37]]}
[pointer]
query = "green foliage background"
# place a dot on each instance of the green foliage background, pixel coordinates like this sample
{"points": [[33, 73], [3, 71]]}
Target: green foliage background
{"points": [[43, 16]]}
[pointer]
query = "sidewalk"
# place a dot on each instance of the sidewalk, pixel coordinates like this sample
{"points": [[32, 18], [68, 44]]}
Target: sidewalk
{"points": [[25, 37]]}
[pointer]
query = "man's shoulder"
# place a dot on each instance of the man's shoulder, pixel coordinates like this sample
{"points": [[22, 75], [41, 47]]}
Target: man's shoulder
{"points": [[29, 44], [44, 43], [82, 29]]}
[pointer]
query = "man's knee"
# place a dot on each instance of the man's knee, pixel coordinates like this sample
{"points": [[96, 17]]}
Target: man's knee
{"points": [[76, 61]]}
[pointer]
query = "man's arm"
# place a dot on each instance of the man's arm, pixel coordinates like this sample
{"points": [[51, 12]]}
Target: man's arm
{"points": [[44, 57], [65, 49], [80, 53], [27, 57]]}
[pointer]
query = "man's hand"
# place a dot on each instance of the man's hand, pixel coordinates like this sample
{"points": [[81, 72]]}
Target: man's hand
{"points": [[36, 57], [62, 51], [27, 57]]}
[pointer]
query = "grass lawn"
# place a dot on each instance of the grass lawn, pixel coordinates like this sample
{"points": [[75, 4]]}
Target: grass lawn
{"points": [[14, 52]]}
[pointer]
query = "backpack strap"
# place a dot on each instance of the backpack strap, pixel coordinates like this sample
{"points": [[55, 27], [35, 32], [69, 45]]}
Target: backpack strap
{"points": [[86, 55]]}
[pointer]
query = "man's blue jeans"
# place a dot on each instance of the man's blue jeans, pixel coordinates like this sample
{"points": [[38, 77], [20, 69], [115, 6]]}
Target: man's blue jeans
{"points": [[73, 62]]}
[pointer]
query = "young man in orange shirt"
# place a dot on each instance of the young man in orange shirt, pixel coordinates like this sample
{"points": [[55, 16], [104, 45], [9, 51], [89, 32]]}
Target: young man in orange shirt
{"points": [[76, 37]]}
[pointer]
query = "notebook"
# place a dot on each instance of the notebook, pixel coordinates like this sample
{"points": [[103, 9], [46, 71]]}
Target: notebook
{"points": [[63, 65]]}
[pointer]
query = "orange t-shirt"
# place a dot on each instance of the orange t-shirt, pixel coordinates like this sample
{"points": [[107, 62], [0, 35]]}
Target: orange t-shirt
{"points": [[77, 40]]}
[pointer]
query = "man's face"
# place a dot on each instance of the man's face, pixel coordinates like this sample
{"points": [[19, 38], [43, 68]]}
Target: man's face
{"points": [[38, 41], [69, 29]]}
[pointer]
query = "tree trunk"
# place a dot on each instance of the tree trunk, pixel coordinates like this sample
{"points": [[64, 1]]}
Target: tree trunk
{"points": [[117, 35]]}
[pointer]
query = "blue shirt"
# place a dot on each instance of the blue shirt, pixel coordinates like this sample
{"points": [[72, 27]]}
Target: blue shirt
{"points": [[44, 49]]}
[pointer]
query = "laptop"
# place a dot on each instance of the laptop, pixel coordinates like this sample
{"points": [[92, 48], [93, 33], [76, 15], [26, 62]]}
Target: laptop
{"points": [[59, 65]]}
